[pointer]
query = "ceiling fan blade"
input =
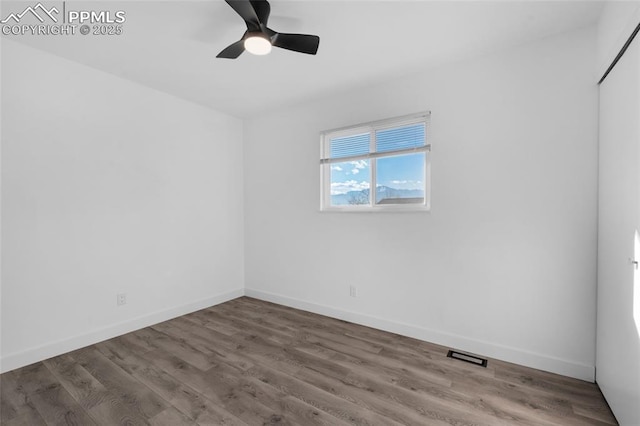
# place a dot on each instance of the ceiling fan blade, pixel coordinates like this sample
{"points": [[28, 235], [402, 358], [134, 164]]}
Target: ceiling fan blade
{"points": [[232, 51], [303, 43], [245, 9], [262, 9]]}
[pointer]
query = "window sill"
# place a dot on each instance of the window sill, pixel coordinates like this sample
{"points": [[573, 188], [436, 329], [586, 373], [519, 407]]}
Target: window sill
{"points": [[385, 209]]}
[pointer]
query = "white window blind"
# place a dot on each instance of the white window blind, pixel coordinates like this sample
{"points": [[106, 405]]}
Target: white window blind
{"points": [[350, 146], [401, 138], [379, 139]]}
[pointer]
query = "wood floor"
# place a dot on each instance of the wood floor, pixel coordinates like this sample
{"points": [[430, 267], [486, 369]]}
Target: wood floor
{"points": [[256, 363]]}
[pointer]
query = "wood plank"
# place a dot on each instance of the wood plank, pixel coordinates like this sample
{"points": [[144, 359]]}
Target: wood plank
{"points": [[367, 399], [19, 406], [81, 385], [594, 412], [325, 399], [202, 318], [545, 380], [131, 393], [285, 408], [171, 417], [28, 418], [10, 400], [209, 341], [112, 411], [177, 344], [118, 348], [57, 407], [186, 399], [39, 389], [220, 393]]}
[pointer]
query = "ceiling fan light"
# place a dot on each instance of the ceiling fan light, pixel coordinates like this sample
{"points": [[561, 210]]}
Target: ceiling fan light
{"points": [[257, 45]]}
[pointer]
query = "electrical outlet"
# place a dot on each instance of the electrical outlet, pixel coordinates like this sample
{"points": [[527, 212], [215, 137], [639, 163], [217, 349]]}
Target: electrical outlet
{"points": [[122, 299], [353, 291]]}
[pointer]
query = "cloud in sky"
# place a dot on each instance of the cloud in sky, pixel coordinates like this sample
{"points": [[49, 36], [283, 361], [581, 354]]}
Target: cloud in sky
{"points": [[358, 165], [347, 186], [336, 168]]}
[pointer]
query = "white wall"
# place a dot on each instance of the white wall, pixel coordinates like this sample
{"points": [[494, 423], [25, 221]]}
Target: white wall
{"points": [[109, 187], [616, 23], [505, 263]]}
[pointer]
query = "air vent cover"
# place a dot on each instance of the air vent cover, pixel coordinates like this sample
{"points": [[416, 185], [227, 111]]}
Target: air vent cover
{"points": [[482, 362]]}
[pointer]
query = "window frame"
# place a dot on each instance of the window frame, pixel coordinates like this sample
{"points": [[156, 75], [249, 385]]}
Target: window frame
{"points": [[371, 128]]}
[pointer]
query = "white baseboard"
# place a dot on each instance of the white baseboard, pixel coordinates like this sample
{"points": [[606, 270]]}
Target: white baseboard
{"points": [[504, 353], [20, 359], [491, 350]]}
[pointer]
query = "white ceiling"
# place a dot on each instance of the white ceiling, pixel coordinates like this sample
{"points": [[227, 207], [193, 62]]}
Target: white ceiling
{"points": [[171, 45]]}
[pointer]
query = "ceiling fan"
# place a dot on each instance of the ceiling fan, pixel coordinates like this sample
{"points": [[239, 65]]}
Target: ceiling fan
{"points": [[258, 39]]}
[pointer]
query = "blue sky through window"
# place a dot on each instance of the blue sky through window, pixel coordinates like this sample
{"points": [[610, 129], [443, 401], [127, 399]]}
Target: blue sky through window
{"points": [[401, 171]]}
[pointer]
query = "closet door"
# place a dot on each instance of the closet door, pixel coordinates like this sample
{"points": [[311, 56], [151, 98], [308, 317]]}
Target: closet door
{"points": [[618, 332]]}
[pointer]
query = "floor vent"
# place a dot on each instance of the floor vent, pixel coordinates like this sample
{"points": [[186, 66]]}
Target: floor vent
{"points": [[482, 362]]}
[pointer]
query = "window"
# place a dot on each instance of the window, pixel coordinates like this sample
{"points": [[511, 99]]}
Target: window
{"points": [[391, 156]]}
